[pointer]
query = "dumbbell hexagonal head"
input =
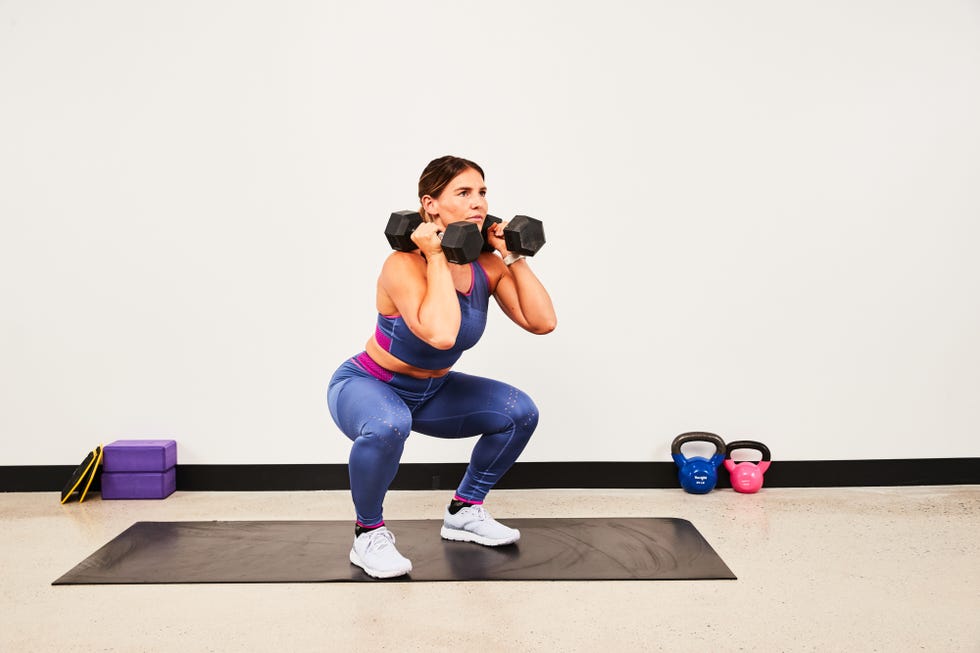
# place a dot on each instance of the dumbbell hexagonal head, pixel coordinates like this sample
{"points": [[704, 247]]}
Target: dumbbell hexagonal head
{"points": [[524, 235], [462, 242], [401, 224]]}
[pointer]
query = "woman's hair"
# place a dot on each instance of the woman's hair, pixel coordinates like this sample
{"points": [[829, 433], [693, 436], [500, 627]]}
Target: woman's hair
{"points": [[438, 174]]}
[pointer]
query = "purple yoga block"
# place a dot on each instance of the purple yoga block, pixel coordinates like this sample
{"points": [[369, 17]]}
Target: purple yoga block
{"points": [[139, 485], [139, 456]]}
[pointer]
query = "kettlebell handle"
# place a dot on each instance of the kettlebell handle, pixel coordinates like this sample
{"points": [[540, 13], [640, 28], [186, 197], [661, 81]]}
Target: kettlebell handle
{"points": [[698, 436], [748, 444]]}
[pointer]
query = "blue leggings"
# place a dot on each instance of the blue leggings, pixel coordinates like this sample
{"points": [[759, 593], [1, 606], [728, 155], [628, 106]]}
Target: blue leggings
{"points": [[379, 415]]}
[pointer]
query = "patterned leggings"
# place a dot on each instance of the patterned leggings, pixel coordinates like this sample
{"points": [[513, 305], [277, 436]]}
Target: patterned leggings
{"points": [[378, 416]]}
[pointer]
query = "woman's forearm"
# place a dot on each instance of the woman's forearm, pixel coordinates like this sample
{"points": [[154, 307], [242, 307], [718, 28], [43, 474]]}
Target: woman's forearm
{"points": [[534, 300], [439, 315]]}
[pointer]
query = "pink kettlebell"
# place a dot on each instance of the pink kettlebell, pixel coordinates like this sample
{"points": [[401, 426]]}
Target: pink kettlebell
{"points": [[747, 476]]}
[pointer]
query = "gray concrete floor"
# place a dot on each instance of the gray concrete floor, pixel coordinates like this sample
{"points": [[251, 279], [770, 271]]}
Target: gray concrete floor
{"points": [[842, 569]]}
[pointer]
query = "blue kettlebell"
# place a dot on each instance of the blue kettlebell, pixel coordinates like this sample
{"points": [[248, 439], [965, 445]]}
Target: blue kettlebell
{"points": [[698, 475]]}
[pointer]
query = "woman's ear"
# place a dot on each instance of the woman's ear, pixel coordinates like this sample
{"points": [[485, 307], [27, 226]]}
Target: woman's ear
{"points": [[430, 204]]}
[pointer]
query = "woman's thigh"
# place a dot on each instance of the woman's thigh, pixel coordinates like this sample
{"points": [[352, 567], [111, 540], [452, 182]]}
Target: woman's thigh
{"points": [[468, 405], [365, 405]]}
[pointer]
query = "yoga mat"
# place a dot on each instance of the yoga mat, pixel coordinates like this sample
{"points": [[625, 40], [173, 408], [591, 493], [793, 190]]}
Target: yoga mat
{"points": [[316, 552]]}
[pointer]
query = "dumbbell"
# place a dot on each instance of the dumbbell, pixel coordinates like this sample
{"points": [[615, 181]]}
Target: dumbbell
{"points": [[523, 235], [461, 241]]}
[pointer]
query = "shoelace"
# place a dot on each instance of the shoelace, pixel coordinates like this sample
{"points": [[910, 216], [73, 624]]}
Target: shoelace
{"points": [[380, 539], [479, 512]]}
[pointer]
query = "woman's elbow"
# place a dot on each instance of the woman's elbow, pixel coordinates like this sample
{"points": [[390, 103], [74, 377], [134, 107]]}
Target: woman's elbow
{"points": [[442, 342], [544, 327]]}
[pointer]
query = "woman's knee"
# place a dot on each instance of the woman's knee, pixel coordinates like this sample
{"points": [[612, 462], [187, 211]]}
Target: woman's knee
{"points": [[391, 429], [524, 412]]}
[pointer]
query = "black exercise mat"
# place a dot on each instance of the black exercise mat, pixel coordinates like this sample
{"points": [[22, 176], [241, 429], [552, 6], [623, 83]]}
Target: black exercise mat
{"points": [[316, 551]]}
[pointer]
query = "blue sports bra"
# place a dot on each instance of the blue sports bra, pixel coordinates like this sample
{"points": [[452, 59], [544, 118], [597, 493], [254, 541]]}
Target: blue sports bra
{"points": [[396, 338]]}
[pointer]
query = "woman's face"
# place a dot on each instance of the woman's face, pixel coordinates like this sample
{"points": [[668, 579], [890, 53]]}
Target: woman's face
{"points": [[464, 198]]}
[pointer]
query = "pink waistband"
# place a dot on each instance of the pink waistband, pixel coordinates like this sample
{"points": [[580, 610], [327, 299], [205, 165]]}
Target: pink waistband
{"points": [[369, 365]]}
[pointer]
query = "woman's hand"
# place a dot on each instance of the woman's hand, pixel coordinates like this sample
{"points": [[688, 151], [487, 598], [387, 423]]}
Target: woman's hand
{"points": [[495, 237], [426, 236]]}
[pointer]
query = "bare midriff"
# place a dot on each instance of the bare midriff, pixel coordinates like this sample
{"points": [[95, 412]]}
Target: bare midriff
{"points": [[389, 362]]}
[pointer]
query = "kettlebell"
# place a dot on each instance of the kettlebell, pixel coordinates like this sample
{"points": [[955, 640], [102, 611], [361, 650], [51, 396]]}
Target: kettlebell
{"points": [[697, 475], [747, 476]]}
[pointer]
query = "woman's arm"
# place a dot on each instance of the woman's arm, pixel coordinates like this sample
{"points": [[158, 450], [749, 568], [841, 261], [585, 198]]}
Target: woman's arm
{"points": [[422, 290], [518, 291]]}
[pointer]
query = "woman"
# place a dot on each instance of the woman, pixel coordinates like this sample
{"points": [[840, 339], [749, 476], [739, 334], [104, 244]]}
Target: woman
{"points": [[429, 312]]}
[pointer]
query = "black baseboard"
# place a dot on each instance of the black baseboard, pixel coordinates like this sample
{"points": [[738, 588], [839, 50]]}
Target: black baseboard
{"points": [[587, 475]]}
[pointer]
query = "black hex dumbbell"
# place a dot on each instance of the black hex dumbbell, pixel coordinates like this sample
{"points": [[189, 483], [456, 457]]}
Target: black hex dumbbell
{"points": [[461, 241], [523, 235]]}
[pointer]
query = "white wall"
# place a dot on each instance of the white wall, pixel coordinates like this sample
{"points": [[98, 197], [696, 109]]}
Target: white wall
{"points": [[763, 218]]}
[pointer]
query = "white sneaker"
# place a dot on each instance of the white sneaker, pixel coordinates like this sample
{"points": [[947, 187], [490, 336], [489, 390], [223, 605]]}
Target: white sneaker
{"points": [[474, 524], [374, 551]]}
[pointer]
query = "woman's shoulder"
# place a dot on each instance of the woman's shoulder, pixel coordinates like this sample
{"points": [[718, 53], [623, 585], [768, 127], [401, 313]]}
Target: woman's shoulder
{"points": [[400, 268], [401, 262], [494, 267]]}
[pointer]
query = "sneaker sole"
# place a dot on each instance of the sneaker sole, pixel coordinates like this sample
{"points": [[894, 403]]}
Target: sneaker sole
{"points": [[466, 536], [375, 573]]}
